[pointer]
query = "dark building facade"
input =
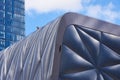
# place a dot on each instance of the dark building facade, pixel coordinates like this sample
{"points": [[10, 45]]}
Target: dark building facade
{"points": [[12, 24], [72, 47]]}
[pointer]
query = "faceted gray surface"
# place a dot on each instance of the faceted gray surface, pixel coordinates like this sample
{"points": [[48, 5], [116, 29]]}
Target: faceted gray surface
{"points": [[88, 54]]}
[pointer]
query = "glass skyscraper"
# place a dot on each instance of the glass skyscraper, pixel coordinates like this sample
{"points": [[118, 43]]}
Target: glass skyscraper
{"points": [[12, 24]]}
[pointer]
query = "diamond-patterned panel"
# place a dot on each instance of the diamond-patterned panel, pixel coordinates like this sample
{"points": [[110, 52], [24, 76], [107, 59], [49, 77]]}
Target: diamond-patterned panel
{"points": [[89, 55]]}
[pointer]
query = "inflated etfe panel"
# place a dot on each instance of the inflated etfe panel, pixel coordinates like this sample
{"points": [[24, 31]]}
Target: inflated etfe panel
{"points": [[58, 51], [89, 54]]}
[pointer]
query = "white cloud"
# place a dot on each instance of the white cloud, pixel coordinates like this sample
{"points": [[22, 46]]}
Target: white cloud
{"points": [[43, 6], [106, 12]]}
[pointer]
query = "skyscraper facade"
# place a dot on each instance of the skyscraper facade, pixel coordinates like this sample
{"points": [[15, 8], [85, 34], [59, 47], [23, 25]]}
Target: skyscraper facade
{"points": [[12, 24]]}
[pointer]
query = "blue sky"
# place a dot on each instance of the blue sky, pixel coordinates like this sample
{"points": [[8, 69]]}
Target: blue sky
{"points": [[40, 12]]}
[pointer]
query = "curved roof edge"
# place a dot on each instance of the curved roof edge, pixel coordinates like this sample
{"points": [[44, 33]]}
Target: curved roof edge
{"points": [[78, 19]]}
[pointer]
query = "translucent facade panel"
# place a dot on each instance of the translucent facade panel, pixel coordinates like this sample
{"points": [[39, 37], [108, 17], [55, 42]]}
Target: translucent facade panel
{"points": [[2, 43], [2, 34], [18, 17], [19, 4], [2, 1], [18, 30], [9, 9], [19, 37], [2, 28], [19, 11], [2, 6], [2, 14], [9, 29], [1, 20], [10, 36]]}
